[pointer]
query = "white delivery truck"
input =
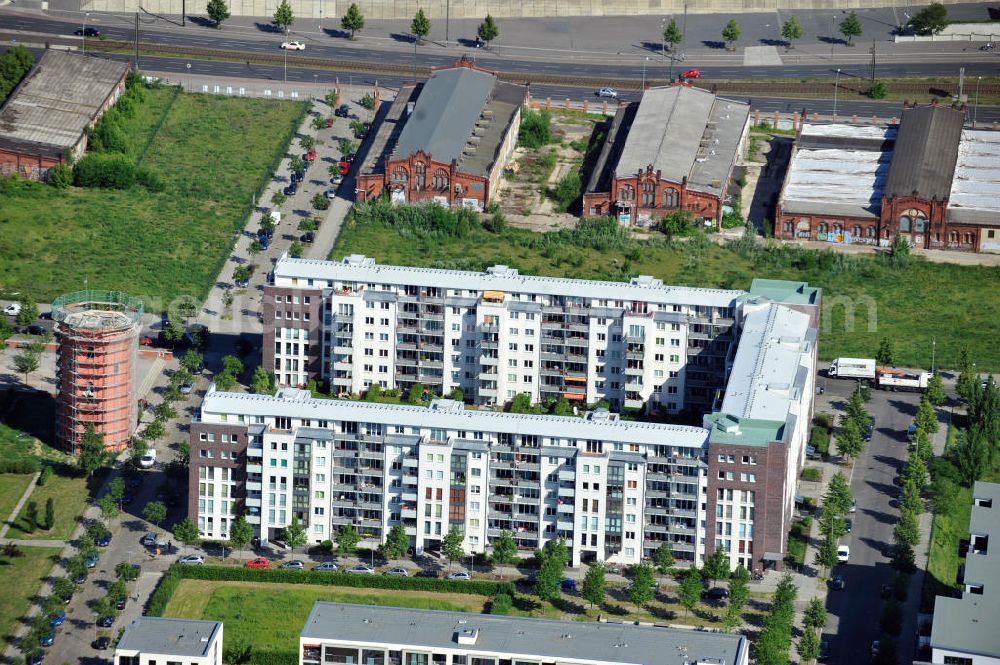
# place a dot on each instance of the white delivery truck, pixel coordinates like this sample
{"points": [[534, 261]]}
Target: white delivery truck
{"points": [[852, 368], [895, 379]]}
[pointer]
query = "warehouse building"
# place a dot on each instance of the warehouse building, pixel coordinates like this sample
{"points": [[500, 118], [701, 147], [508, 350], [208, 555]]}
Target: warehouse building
{"points": [[45, 120], [346, 633], [674, 150], [445, 141]]}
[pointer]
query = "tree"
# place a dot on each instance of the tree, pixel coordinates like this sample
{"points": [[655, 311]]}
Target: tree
{"points": [[717, 566], [186, 532], [926, 418], [154, 430], [885, 356], [815, 614], [63, 588], [808, 646], [420, 26], [561, 407], [353, 20], [968, 380], [217, 11], [104, 607], [930, 20], [663, 558], [935, 390], [451, 546], [164, 411], [26, 362], [504, 550], [831, 523], [240, 533], [739, 594], [521, 403], [849, 442], [915, 470], [689, 592], [416, 394], [888, 651], [791, 30], [50, 513], [971, 455], [488, 30], [31, 516], [192, 361], [642, 589], [396, 543], [126, 572], [902, 558], [283, 16], [6, 331], [92, 454], [138, 450], [826, 555], [155, 512], [295, 534], [347, 539], [263, 382], [172, 333], [296, 249], [838, 494], [593, 590], [907, 530], [850, 27], [29, 311], [672, 34], [242, 273], [224, 381], [550, 576], [109, 507], [76, 567], [457, 394], [857, 411], [731, 33]]}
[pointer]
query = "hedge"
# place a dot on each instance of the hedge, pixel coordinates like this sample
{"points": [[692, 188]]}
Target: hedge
{"points": [[18, 465], [242, 574], [165, 590]]}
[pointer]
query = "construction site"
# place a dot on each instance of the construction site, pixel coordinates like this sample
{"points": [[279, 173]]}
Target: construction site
{"points": [[97, 336]]}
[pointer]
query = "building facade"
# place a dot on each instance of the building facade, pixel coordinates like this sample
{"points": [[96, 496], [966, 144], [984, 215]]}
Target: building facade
{"points": [[674, 150], [445, 141], [493, 335], [615, 490], [345, 633], [163, 641]]}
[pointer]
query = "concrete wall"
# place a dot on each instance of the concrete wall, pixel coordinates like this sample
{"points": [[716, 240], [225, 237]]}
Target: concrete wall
{"points": [[405, 9]]}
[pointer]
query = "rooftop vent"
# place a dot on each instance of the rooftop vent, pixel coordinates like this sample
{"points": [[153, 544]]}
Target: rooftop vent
{"points": [[447, 406], [501, 271], [466, 635], [359, 260], [409, 107]]}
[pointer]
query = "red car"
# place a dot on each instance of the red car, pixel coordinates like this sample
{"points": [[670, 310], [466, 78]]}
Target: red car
{"points": [[259, 562], [147, 341], [309, 156], [344, 167], [329, 123], [691, 74]]}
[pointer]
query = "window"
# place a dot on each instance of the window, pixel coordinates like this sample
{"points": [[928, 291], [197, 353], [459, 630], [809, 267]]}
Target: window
{"points": [[648, 195], [626, 193], [670, 198], [440, 180]]}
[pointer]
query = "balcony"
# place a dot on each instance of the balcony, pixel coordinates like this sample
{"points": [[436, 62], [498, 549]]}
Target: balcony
{"points": [[408, 513], [567, 491], [254, 468], [566, 508], [567, 474], [254, 486], [410, 462], [564, 525], [253, 519], [409, 495], [252, 501], [255, 451]]}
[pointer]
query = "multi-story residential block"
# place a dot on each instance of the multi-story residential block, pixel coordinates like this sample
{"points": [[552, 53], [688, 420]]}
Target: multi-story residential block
{"points": [[614, 489], [344, 633], [495, 334], [965, 629], [152, 640]]}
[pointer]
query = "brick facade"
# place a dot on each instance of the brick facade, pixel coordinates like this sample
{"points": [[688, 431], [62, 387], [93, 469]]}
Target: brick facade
{"points": [[293, 309], [648, 194], [209, 450], [419, 178]]}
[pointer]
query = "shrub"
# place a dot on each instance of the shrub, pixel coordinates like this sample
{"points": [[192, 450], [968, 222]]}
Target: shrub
{"points": [[812, 474], [107, 171], [320, 202], [149, 179], [535, 129], [567, 191], [278, 198], [367, 102], [678, 223], [877, 91], [164, 592], [502, 604], [60, 176], [19, 465], [45, 476]]}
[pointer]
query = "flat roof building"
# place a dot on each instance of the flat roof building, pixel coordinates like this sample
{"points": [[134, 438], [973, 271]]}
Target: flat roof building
{"points": [[446, 140], [673, 150], [340, 632], [965, 629], [150, 640], [44, 121]]}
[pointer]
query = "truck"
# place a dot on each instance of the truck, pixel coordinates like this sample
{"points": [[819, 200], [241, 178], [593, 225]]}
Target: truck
{"points": [[852, 368], [895, 379]]}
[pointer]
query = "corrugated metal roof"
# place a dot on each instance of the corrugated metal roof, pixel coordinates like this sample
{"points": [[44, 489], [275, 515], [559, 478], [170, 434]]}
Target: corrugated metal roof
{"points": [[445, 113], [925, 152], [836, 181], [975, 189], [58, 99]]}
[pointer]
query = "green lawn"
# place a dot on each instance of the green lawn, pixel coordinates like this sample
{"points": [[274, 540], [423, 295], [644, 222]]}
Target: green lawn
{"points": [[12, 486], [212, 153], [70, 495], [20, 579], [271, 616], [912, 305]]}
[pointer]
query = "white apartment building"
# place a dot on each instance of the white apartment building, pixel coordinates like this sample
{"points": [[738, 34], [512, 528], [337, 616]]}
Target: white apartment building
{"points": [[153, 640], [346, 634], [498, 333]]}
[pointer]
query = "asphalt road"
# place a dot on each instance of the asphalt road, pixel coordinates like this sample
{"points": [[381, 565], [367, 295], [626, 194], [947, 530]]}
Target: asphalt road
{"points": [[855, 611]]}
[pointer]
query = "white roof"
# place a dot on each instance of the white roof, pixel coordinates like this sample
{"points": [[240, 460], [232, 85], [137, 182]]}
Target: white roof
{"points": [[364, 270], [976, 184], [845, 131], [762, 384], [298, 404], [835, 180]]}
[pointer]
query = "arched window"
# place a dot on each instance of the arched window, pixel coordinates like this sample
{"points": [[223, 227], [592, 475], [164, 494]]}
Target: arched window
{"points": [[821, 227], [953, 236], [648, 195], [419, 175], [626, 193], [871, 232], [399, 176], [904, 224], [670, 198], [440, 180], [838, 228], [856, 231], [968, 238]]}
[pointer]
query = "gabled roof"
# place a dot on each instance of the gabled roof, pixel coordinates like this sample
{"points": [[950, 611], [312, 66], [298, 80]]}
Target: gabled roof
{"points": [[926, 150]]}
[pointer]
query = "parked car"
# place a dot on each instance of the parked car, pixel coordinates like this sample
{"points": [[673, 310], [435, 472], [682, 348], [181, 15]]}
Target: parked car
{"points": [[103, 540], [290, 190], [102, 643], [843, 553], [886, 592], [837, 583], [307, 237], [568, 584], [120, 605], [342, 111], [337, 179], [345, 167], [35, 330], [80, 579], [715, 593], [329, 123], [690, 74], [824, 650], [33, 659], [87, 32], [127, 498], [90, 562], [187, 387], [48, 639], [460, 575], [398, 571], [608, 92], [57, 618], [361, 569], [331, 193], [875, 647], [294, 564], [327, 566], [310, 155], [148, 341], [869, 430], [848, 526], [192, 560], [12, 309], [259, 562], [296, 176], [149, 459], [293, 46]]}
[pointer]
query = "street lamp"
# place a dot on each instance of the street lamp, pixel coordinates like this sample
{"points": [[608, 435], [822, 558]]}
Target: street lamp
{"points": [[644, 72], [835, 87], [975, 106], [833, 35], [84, 32], [286, 64]]}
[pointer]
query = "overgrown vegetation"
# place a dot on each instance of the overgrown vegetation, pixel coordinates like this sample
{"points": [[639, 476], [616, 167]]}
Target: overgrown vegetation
{"points": [[536, 129], [14, 64]]}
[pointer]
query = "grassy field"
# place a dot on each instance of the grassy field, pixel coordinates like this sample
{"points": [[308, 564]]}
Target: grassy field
{"points": [[12, 486], [884, 300], [271, 616], [70, 495], [20, 579], [212, 153]]}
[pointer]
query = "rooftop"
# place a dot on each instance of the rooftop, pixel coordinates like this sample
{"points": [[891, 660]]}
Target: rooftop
{"points": [[170, 637], [969, 624], [60, 96], [364, 270], [732, 430], [563, 641], [925, 154], [785, 291], [611, 149], [975, 189], [684, 132]]}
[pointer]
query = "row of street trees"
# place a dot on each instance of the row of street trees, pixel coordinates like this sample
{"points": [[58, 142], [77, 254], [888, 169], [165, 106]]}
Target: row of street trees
{"points": [[832, 522]]}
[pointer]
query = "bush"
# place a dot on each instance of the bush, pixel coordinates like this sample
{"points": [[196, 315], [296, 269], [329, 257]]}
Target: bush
{"points": [[367, 102], [18, 465], [812, 474], [877, 91], [535, 129], [502, 604], [107, 171], [164, 592], [678, 223], [320, 202], [45, 476], [60, 176], [278, 198], [567, 191], [149, 179]]}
